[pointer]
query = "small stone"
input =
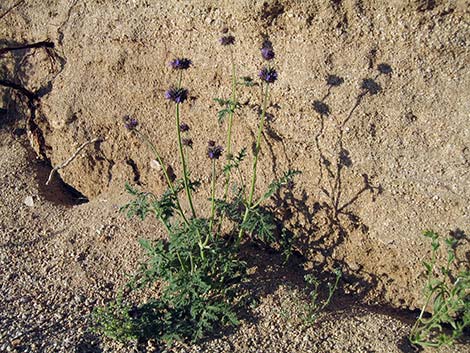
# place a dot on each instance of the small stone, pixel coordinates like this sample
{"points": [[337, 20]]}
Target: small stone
{"points": [[16, 342], [354, 266], [155, 165], [28, 201], [79, 298]]}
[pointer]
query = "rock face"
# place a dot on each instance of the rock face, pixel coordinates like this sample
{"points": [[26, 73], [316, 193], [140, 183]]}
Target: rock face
{"points": [[372, 105]]}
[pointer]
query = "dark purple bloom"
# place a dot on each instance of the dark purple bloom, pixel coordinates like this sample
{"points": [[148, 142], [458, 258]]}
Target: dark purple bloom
{"points": [[130, 123], [227, 40], [187, 142], [184, 127], [267, 53], [213, 151], [267, 74], [181, 64], [177, 95]]}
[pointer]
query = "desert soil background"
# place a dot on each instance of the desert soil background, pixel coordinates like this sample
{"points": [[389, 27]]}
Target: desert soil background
{"points": [[381, 161]]}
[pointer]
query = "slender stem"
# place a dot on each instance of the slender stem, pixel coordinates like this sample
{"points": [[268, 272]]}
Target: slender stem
{"points": [[428, 296], [180, 146], [181, 262], [211, 223], [185, 173], [167, 227], [181, 151], [183, 162], [191, 261], [258, 142], [180, 78], [165, 172], [233, 105], [242, 182], [255, 161]]}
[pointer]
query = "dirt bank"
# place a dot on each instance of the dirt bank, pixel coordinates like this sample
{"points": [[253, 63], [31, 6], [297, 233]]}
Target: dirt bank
{"points": [[372, 105]]}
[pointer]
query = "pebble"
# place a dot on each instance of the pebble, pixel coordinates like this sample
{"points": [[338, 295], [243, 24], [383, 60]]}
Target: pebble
{"points": [[28, 201], [16, 342]]}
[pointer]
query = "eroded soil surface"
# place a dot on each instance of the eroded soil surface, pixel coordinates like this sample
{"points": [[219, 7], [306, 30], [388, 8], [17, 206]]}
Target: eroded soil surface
{"points": [[372, 105]]}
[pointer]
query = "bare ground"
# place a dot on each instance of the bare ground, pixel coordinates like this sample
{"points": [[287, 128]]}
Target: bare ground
{"points": [[385, 154], [59, 260]]}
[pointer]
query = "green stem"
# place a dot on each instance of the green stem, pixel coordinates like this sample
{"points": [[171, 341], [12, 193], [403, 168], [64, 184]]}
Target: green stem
{"points": [[185, 171], [233, 105], [211, 223], [185, 175], [242, 183], [192, 262], [181, 262], [167, 227], [428, 297], [255, 161], [183, 162], [165, 172], [180, 79]]}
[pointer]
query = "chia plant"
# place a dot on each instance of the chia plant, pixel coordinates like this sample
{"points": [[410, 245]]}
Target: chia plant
{"points": [[447, 296], [198, 269], [315, 306]]}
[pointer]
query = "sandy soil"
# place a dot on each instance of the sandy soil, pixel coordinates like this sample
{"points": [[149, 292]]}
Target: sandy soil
{"points": [[385, 153], [60, 260]]}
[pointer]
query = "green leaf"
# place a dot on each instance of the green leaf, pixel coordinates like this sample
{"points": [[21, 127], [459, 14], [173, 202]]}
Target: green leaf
{"points": [[221, 115], [234, 162], [260, 224]]}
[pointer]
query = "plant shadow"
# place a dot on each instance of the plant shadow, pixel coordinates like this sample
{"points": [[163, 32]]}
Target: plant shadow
{"points": [[319, 227]]}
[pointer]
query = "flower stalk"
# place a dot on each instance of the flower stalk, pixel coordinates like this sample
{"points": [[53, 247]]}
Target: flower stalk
{"points": [[230, 123], [165, 172], [183, 162], [255, 160]]}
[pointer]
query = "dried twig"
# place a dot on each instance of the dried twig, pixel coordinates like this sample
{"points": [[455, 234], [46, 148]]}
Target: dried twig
{"points": [[21, 89], [43, 44], [11, 8], [72, 157]]}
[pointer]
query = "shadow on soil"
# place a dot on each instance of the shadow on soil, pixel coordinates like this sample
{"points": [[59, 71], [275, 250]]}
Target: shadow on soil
{"points": [[307, 222], [20, 110], [269, 270]]}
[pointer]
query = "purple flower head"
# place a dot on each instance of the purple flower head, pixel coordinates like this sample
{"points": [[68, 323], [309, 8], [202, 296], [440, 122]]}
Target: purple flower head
{"points": [[181, 64], [227, 40], [267, 74], [177, 95], [184, 127], [267, 53], [130, 123], [187, 142], [214, 151]]}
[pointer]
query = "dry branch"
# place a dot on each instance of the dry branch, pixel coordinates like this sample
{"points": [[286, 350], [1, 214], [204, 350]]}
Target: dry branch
{"points": [[72, 157], [11, 8]]}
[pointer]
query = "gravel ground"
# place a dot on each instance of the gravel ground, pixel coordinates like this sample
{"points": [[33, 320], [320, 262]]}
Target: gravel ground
{"points": [[58, 261]]}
